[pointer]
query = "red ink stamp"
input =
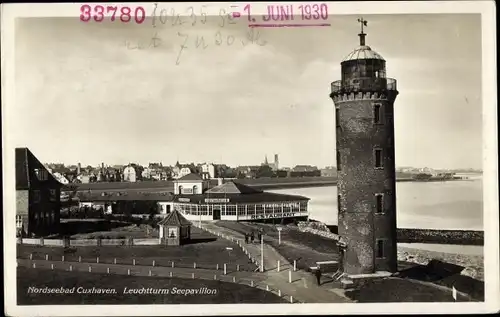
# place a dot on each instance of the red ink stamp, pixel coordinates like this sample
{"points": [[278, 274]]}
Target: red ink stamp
{"points": [[286, 15], [98, 13]]}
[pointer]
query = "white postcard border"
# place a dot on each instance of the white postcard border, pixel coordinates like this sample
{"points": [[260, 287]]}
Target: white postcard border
{"points": [[490, 171]]}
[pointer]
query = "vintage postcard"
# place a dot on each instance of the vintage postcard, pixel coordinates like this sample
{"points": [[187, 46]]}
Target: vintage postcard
{"points": [[250, 158]]}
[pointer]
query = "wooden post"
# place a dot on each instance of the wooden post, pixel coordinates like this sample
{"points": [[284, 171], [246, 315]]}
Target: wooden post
{"points": [[194, 265], [279, 293], [153, 262], [34, 265], [90, 268], [225, 269], [114, 261], [128, 272], [71, 268], [234, 279], [289, 276], [267, 288], [291, 299], [31, 256], [97, 260], [171, 274], [79, 259], [251, 283], [173, 264], [150, 273], [46, 257], [215, 277], [133, 262], [294, 265], [217, 267], [107, 270], [192, 275], [62, 259], [237, 267], [278, 265], [52, 266]]}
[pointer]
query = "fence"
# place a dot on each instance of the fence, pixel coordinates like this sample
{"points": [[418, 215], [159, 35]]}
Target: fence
{"points": [[224, 268], [88, 242]]}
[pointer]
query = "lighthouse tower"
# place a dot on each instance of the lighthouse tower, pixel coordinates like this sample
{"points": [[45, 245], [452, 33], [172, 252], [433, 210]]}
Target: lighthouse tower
{"points": [[364, 102]]}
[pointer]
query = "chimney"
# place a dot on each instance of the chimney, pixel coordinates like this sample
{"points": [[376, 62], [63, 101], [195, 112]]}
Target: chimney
{"points": [[79, 168], [219, 181]]}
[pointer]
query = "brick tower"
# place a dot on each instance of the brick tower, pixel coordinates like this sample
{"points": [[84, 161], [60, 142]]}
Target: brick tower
{"points": [[364, 102]]}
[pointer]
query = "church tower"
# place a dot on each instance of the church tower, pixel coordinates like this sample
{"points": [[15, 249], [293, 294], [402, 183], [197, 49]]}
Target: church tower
{"points": [[364, 103]]}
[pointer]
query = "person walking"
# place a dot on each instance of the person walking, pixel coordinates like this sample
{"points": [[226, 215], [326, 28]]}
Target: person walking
{"points": [[318, 275], [252, 236], [246, 238]]}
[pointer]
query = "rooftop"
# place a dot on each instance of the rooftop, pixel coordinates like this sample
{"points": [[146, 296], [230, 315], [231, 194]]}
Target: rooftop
{"points": [[363, 52], [174, 219]]}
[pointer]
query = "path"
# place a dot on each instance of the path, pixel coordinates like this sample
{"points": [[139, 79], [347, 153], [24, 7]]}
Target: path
{"points": [[303, 286]]}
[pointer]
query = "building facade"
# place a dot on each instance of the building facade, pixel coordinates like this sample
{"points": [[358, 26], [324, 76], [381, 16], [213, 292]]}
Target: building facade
{"points": [[129, 174], [364, 106], [37, 197]]}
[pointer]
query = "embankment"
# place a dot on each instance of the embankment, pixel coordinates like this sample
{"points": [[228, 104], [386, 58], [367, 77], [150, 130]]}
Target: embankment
{"points": [[473, 264], [410, 235]]}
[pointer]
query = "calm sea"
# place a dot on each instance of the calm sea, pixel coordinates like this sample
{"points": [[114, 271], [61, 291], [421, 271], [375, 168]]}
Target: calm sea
{"points": [[422, 205]]}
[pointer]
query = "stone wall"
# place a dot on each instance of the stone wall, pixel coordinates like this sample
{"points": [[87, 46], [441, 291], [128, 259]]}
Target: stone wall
{"points": [[474, 265]]}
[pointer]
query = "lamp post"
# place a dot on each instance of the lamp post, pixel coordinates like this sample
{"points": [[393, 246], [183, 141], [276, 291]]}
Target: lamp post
{"points": [[262, 253], [279, 234]]}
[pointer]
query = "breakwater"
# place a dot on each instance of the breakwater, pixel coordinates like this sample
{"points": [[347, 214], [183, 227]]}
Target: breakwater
{"points": [[473, 265], [411, 235]]}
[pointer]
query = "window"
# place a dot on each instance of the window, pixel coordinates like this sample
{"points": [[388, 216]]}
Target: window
{"points": [[379, 203], [378, 159], [19, 221], [377, 113], [338, 160], [172, 232], [339, 203], [180, 189], [380, 249], [337, 117], [195, 190], [53, 195], [36, 196]]}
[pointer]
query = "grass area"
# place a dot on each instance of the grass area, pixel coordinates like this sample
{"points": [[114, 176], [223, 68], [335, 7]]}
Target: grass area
{"points": [[225, 293], [304, 247], [206, 250], [401, 290]]}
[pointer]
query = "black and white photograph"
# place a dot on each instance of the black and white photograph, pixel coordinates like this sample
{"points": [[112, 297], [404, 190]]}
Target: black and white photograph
{"points": [[249, 153]]}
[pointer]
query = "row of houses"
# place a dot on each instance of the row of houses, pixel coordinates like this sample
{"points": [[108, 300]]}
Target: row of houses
{"points": [[156, 171]]}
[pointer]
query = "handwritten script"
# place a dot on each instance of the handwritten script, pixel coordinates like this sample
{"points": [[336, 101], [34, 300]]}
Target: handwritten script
{"points": [[222, 36]]}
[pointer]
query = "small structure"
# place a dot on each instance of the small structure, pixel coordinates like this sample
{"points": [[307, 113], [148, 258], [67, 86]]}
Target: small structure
{"points": [[174, 229]]}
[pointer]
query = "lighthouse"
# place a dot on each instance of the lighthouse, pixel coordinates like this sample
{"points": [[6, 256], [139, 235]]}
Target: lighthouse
{"points": [[364, 107]]}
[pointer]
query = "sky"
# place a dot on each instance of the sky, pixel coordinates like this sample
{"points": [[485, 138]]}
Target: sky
{"points": [[101, 92]]}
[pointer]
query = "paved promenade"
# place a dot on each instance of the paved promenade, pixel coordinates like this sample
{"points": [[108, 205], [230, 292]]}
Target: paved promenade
{"points": [[303, 286]]}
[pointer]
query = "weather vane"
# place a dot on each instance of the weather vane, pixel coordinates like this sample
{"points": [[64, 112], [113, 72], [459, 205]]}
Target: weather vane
{"points": [[362, 35], [363, 23]]}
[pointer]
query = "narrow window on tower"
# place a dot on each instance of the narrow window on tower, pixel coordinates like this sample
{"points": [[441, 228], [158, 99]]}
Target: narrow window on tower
{"points": [[377, 113], [339, 204], [380, 249], [337, 117], [379, 203], [378, 159], [338, 161]]}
